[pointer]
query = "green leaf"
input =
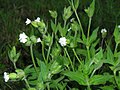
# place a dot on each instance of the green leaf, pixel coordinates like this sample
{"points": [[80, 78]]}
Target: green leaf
{"points": [[62, 31], [110, 56], [67, 13], [33, 39], [44, 71], [108, 87], [54, 27], [93, 36], [117, 34], [34, 23], [81, 52], [76, 3], [90, 10], [76, 76], [55, 67], [98, 56], [99, 79], [53, 14], [84, 38]]}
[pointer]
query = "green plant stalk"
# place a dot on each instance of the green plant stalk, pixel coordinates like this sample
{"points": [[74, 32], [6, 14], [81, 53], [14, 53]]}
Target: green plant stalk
{"points": [[116, 48], [27, 83], [77, 16], [69, 59], [88, 51], [116, 80], [15, 65], [50, 47], [43, 54], [90, 19], [88, 85], [93, 72], [76, 56], [33, 60], [65, 23]]}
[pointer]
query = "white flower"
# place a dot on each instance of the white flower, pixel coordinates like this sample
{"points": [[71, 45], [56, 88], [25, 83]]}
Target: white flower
{"points": [[103, 30], [28, 21], [118, 26], [23, 37], [63, 41], [6, 76], [38, 40], [38, 19]]}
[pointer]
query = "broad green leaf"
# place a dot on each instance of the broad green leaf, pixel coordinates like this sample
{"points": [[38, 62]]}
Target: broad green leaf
{"points": [[110, 56], [93, 36], [44, 71], [76, 76], [99, 79], [98, 56]]}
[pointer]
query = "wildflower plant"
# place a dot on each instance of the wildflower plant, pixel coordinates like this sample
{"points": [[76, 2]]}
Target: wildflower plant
{"points": [[68, 54]]}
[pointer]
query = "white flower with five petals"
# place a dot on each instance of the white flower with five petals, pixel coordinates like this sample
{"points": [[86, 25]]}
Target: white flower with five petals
{"points": [[23, 37], [63, 41]]}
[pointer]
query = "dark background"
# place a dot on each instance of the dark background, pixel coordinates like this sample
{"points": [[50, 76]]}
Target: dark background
{"points": [[13, 14]]}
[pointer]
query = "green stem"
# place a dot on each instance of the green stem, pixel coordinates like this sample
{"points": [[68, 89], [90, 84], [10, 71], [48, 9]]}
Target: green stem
{"points": [[27, 83], [14, 65], [116, 79], [76, 56], [43, 54], [88, 51], [116, 48], [69, 59], [77, 16], [88, 85], [50, 47], [33, 60], [65, 23], [89, 28]]}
